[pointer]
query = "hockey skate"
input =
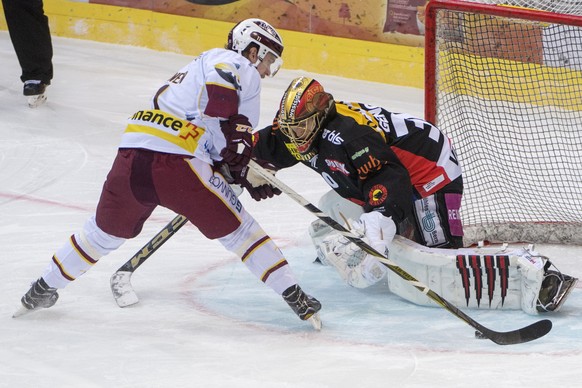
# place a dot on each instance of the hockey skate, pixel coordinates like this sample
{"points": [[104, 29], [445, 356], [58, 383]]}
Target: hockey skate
{"points": [[35, 90], [306, 307], [40, 295], [555, 290]]}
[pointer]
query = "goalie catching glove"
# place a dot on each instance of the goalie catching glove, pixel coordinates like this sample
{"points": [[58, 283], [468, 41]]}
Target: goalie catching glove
{"points": [[256, 185], [239, 142], [356, 267]]}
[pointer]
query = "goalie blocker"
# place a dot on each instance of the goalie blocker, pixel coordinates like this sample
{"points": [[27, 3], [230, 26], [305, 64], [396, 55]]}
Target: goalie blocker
{"points": [[479, 278]]}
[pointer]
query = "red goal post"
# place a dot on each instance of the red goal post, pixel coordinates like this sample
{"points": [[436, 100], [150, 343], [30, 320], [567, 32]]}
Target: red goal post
{"points": [[505, 83]]}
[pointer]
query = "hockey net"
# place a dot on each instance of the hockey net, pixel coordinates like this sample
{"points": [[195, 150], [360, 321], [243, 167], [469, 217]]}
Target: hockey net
{"points": [[505, 83]]}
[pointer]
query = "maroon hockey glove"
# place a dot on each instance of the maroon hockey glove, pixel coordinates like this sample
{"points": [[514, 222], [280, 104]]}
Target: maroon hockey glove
{"points": [[257, 186], [239, 142]]}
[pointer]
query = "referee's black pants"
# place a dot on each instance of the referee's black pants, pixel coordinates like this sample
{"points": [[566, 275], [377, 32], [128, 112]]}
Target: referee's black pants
{"points": [[30, 34]]}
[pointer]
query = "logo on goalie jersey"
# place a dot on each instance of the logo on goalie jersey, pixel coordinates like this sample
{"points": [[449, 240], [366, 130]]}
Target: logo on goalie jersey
{"points": [[377, 195], [360, 153], [336, 165], [370, 166], [332, 136]]}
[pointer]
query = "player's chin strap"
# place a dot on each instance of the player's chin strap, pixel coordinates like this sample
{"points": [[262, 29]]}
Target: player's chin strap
{"points": [[526, 334]]}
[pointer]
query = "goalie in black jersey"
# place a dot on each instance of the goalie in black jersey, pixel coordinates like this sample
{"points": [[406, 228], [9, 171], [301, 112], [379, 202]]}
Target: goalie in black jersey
{"points": [[392, 164], [397, 181]]}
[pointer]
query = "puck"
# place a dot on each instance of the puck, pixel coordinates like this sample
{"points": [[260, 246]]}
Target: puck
{"points": [[479, 335]]}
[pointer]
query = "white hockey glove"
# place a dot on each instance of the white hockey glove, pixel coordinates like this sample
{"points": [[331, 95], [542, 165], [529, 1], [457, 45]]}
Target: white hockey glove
{"points": [[378, 229], [357, 268]]}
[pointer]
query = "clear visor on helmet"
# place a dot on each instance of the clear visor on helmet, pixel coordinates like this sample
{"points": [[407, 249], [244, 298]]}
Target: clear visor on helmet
{"points": [[271, 62], [302, 132]]}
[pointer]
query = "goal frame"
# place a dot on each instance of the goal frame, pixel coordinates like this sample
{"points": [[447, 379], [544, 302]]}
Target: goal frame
{"points": [[559, 232]]}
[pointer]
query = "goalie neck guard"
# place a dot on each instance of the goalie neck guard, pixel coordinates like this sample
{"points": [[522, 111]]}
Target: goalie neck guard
{"points": [[262, 35], [303, 110]]}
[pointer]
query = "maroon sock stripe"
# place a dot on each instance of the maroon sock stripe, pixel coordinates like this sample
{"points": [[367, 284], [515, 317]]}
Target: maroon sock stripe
{"points": [[62, 270], [253, 247], [280, 264], [81, 252]]}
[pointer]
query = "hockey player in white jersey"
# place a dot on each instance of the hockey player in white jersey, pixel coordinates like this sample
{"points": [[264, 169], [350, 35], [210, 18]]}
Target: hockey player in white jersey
{"points": [[172, 154]]}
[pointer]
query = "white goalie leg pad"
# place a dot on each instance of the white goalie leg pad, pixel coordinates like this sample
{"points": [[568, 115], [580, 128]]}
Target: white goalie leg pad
{"points": [[479, 278]]}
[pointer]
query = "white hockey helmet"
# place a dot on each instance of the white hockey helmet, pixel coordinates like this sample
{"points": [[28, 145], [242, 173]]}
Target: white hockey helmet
{"points": [[263, 35], [304, 107]]}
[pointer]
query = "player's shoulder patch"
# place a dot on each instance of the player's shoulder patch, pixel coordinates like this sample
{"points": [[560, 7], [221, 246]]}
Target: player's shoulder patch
{"points": [[229, 73]]}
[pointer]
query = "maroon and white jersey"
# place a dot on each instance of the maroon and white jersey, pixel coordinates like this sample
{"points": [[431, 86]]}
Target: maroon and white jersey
{"points": [[217, 84]]}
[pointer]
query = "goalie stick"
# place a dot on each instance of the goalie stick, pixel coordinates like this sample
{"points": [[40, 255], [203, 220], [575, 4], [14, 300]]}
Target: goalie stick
{"points": [[121, 279], [525, 334]]}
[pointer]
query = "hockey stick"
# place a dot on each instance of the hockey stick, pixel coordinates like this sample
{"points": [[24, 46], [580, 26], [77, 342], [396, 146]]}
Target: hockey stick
{"points": [[121, 279], [525, 334]]}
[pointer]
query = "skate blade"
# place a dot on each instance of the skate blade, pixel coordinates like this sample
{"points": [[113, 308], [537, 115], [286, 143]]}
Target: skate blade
{"points": [[36, 101], [122, 290], [21, 311], [570, 285], [315, 321]]}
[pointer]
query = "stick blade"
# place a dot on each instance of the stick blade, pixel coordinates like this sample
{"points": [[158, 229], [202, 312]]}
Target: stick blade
{"points": [[122, 289], [526, 334]]}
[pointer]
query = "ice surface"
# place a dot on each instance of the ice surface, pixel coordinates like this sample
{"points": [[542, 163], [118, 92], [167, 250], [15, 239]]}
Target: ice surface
{"points": [[203, 320]]}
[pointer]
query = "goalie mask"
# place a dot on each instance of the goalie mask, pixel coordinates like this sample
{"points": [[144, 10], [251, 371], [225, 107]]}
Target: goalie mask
{"points": [[262, 35], [304, 107]]}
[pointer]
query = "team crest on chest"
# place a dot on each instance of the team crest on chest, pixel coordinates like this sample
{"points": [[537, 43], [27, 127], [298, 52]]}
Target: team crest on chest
{"points": [[377, 195]]}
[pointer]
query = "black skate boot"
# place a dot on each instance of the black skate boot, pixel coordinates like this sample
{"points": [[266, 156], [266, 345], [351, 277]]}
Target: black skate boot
{"points": [[305, 306], [34, 90], [555, 289], [39, 296]]}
